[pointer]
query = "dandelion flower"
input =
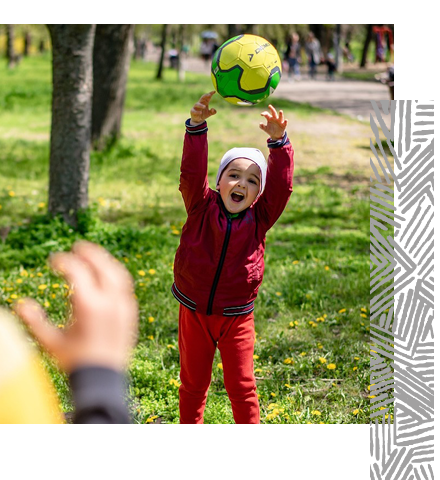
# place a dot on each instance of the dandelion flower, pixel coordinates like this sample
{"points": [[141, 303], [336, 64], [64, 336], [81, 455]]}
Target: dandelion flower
{"points": [[342, 310], [364, 310], [174, 382], [60, 325], [331, 366], [256, 357], [327, 268], [42, 286], [220, 366], [151, 419], [47, 304], [151, 271], [14, 296], [322, 360], [175, 231], [278, 294], [355, 412], [291, 324], [302, 354], [356, 358], [141, 273], [150, 337], [316, 412], [273, 394], [295, 262], [355, 368], [287, 385], [363, 315], [138, 255], [19, 280], [171, 346], [11, 193], [150, 319], [288, 361]]}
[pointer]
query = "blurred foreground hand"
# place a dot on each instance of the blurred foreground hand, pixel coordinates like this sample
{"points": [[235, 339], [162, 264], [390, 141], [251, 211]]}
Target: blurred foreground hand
{"points": [[103, 327]]}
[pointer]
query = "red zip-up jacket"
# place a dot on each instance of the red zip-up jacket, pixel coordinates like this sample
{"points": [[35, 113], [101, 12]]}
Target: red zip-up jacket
{"points": [[219, 264]]}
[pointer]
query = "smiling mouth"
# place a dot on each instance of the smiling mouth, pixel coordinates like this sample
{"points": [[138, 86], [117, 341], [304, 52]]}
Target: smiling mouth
{"points": [[237, 197]]}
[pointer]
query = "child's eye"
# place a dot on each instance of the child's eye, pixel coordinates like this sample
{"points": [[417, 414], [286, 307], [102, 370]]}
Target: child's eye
{"points": [[253, 181], [232, 175]]}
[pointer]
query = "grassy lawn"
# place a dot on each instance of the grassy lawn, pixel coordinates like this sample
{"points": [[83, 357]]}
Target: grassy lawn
{"points": [[312, 350]]}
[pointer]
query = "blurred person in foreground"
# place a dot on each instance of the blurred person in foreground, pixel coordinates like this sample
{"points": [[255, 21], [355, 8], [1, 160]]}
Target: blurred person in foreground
{"points": [[93, 349]]}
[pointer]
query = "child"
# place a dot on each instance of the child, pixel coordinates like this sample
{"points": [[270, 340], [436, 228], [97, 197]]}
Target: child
{"points": [[219, 263]]}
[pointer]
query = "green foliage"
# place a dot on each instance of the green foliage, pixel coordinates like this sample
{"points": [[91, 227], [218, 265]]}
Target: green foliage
{"points": [[312, 309]]}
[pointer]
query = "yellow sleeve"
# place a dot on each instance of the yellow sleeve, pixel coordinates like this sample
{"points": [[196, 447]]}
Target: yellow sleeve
{"points": [[26, 392]]}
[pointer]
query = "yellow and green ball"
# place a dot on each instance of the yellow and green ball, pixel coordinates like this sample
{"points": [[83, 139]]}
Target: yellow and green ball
{"points": [[246, 69]]}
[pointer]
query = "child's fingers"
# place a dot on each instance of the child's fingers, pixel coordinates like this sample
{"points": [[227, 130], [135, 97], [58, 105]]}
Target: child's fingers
{"points": [[274, 112], [281, 117]]}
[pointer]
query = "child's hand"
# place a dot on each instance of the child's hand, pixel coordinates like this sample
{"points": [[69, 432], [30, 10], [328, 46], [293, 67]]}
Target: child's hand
{"points": [[201, 111], [276, 123]]}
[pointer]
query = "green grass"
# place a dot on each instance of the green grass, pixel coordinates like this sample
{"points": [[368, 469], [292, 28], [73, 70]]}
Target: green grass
{"points": [[312, 309]]}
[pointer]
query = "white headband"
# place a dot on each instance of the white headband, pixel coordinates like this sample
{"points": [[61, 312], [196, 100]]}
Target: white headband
{"points": [[251, 154]]}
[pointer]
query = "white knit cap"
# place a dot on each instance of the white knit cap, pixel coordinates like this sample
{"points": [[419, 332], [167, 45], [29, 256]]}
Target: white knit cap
{"points": [[251, 154]]}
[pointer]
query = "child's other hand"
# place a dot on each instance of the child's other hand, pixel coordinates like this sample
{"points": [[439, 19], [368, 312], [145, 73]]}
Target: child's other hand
{"points": [[201, 111], [276, 123]]}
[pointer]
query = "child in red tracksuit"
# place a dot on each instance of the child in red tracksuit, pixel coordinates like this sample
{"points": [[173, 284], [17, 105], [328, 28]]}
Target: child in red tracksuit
{"points": [[219, 264]]}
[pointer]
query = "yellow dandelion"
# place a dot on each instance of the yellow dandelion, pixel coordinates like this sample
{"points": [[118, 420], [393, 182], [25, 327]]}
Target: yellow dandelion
{"points": [[295, 262], [288, 361], [287, 385], [41, 205], [66, 286], [174, 382], [175, 231], [150, 319], [272, 406], [355, 412], [327, 268], [371, 396], [297, 412], [291, 324], [14, 296], [363, 315], [11, 193], [355, 368], [322, 360], [278, 294], [331, 366], [19, 280], [364, 310], [258, 370], [273, 394], [150, 337], [342, 310], [39, 274], [141, 273], [356, 358], [42, 286], [220, 366], [53, 295], [24, 273], [47, 304], [256, 357], [151, 419], [316, 412], [171, 346], [302, 354], [151, 271]]}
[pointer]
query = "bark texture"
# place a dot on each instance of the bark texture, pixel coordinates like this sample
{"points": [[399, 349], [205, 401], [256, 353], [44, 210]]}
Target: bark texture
{"points": [[111, 61], [72, 70]]}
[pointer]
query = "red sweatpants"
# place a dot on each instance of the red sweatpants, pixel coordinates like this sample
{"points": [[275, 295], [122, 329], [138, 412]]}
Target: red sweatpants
{"points": [[199, 335]]}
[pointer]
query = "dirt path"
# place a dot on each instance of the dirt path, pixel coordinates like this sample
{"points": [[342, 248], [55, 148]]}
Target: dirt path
{"points": [[351, 97]]}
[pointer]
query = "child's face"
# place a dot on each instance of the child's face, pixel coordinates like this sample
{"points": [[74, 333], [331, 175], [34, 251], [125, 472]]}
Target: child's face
{"points": [[239, 184]]}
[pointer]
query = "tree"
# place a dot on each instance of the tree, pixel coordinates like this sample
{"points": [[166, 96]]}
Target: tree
{"points": [[368, 38], [111, 61], [162, 52], [72, 73], [10, 52]]}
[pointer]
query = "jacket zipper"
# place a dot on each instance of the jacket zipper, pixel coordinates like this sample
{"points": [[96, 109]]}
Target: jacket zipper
{"points": [[219, 267]]}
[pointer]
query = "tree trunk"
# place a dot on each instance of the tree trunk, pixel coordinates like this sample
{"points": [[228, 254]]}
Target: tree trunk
{"points": [[111, 60], [368, 37], [72, 72], [27, 43], [162, 52], [10, 53]]}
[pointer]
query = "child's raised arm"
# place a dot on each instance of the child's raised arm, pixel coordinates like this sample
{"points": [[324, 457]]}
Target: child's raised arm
{"points": [[279, 169], [194, 168]]}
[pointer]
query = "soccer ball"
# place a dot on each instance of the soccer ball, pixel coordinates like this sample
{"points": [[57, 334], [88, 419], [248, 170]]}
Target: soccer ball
{"points": [[246, 69]]}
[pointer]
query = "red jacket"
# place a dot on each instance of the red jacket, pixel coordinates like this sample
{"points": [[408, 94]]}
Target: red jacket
{"points": [[219, 264]]}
